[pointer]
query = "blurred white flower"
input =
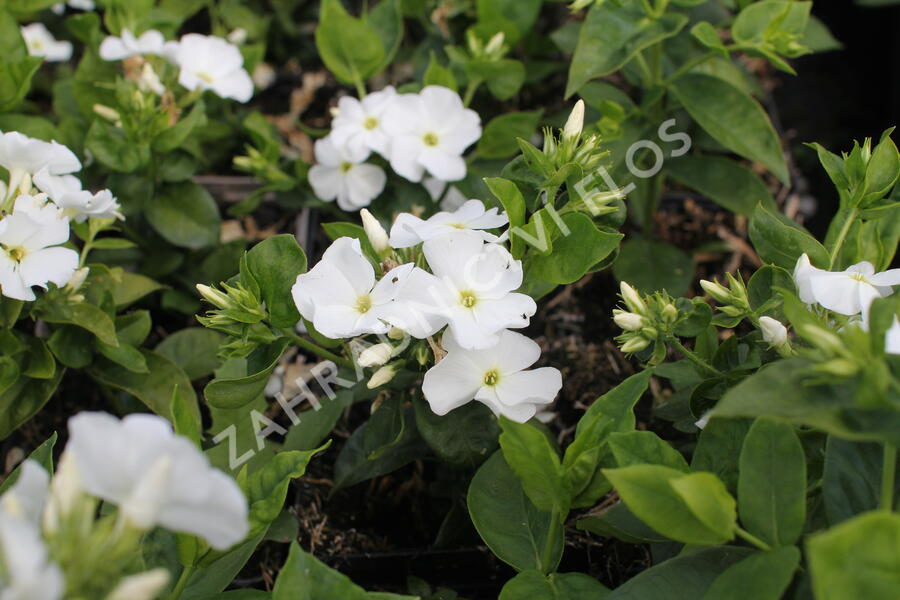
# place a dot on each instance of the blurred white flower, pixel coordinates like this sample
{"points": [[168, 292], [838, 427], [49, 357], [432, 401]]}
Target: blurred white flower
{"points": [[38, 207], [430, 131], [495, 376], [451, 200], [25, 499], [773, 331], [83, 205], [60, 7], [359, 124], [340, 174], [471, 290], [30, 255], [211, 63], [156, 477], [142, 586], [263, 75], [340, 295], [24, 157], [126, 46], [849, 292], [26, 572], [149, 81], [409, 230], [892, 338], [40, 42]]}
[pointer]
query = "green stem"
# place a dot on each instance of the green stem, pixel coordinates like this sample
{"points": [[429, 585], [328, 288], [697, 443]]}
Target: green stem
{"points": [[694, 358], [888, 475], [749, 537], [842, 236], [552, 540], [182, 583], [360, 85], [471, 88], [316, 349], [645, 69]]}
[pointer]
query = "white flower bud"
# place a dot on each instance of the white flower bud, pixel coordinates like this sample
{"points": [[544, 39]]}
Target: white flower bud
{"points": [[214, 296], [263, 76], [669, 313], [375, 356], [238, 36], [107, 112], [703, 421], [149, 81], [375, 232], [495, 44], [635, 344], [716, 290], [65, 491], [773, 332], [77, 279], [143, 586], [632, 298], [382, 376], [575, 124], [628, 321]]}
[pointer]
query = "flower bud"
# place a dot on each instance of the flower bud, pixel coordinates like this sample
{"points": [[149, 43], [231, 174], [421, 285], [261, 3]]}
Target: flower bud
{"points": [[396, 334], [669, 313], [378, 237], [773, 332], [107, 112], [238, 36], [650, 333], [65, 491], [375, 356], [77, 279], [382, 376], [575, 123], [149, 81], [716, 290], [635, 344], [142, 586], [632, 298], [495, 44], [628, 321], [841, 367], [214, 296]]}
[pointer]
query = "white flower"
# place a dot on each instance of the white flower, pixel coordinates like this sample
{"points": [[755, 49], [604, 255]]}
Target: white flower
{"points": [[211, 63], [409, 230], [142, 586], [359, 123], [84, 205], [341, 174], [848, 292], [56, 186], [451, 200], [30, 255], [149, 81], [156, 477], [378, 237], [430, 131], [25, 499], [40, 42], [471, 290], [38, 207], [340, 295], [26, 573], [24, 156], [773, 331], [117, 48], [60, 7], [892, 338], [375, 356], [495, 376]]}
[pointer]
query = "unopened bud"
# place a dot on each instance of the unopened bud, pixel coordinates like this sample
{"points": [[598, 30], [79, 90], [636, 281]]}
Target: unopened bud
{"points": [[669, 313], [495, 44], [628, 321], [773, 332], [575, 124], [382, 376], [718, 291], [143, 586], [632, 298], [238, 36], [375, 356], [77, 279], [214, 296], [378, 237], [650, 333], [107, 112], [635, 344], [396, 333], [65, 491], [841, 367]]}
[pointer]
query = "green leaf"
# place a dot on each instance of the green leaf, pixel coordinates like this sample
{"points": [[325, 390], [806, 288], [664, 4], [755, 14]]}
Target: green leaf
{"points": [[275, 264], [513, 203], [194, 350], [464, 437], [651, 265], [620, 523], [694, 508], [859, 558], [169, 139], [86, 316], [504, 77], [316, 423], [436, 74], [349, 47], [499, 137], [732, 118], [772, 483], [851, 482], [304, 578], [612, 35], [513, 17], [111, 147], [386, 20], [24, 399], [781, 242], [719, 448], [236, 392], [185, 215], [757, 22], [43, 455], [131, 287], [645, 447], [760, 576], [534, 585], [529, 454], [724, 181], [507, 521], [15, 80], [576, 253]]}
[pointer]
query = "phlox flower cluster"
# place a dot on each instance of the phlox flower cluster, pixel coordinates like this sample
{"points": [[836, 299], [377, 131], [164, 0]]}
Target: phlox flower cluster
{"points": [[456, 278], [39, 199], [153, 476], [417, 134]]}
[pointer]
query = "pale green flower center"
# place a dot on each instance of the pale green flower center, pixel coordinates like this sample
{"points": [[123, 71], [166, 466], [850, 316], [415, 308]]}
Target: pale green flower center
{"points": [[458, 225], [492, 377], [205, 77], [346, 166], [467, 299], [859, 277], [430, 139], [363, 304], [370, 123], [16, 253]]}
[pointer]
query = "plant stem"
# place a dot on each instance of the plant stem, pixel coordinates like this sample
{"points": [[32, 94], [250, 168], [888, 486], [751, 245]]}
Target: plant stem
{"points": [[842, 236], [360, 85], [746, 535], [888, 475], [182, 583], [696, 359], [471, 88], [316, 349], [552, 539]]}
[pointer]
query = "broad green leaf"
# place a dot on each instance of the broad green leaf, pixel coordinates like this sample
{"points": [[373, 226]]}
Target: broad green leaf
{"points": [[23, 400], [499, 137], [231, 393], [513, 17], [781, 242], [722, 180], [267, 487], [575, 253], [756, 23], [513, 203], [110, 145], [534, 585], [772, 483], [173, 137], [304, 578], [507, 521], [349, 47], [719, 448], [131, 287], [620, 523], [437, 74], [859, 558], [694, 508], [464, 437], [185, 215], [732, 118], [81, 314], [645, 447], [194, 350], [612, 35], [651, 265], [275, 264], [529, 454], [43, 455], [851, 482], [15, 80], [214, 577], [760, 576], [315, 424], [386, 19], [503, 77]]}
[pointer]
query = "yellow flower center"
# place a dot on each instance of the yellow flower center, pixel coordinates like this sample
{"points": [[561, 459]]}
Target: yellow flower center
{"points": [[458, 225], [467, 299], [430, 139], [346, 166], [363, 304], [859, 277], [370, 123], [491, 377], [16, 253], [205, 77]]}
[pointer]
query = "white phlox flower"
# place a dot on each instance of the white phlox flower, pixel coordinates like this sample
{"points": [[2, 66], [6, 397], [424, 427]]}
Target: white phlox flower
{"points": [[156, 477], [141, 586], [31, 255], [359, 124], [39, 207], [849, 292], [26, 572], [82, 205], [211, 63], [60, 7], [127, 45], [471, 290], [495, 376], [341, 296], [340, 174], [40, 42], [25, 499], [409, 230], [24, 157], [429, 132]]}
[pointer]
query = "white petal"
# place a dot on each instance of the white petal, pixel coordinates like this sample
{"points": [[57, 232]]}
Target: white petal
{"points": [[886, 278], [50, 265], [405, 152], [443, 165], [405, 231], [836, 291], [539, 386], [451, 383]]}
